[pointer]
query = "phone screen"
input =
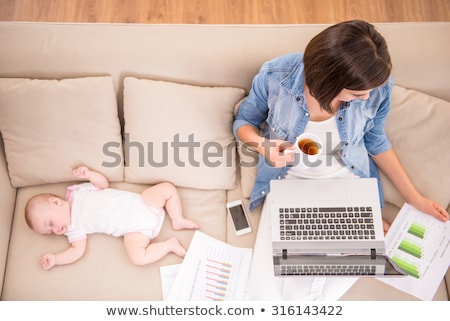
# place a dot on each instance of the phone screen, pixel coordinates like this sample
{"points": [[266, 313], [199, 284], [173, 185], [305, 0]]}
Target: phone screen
{"points": [[238, 216]]}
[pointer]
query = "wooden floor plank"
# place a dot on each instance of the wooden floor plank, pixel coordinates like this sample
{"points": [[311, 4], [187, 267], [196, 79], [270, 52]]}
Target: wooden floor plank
{"points": [[224, 11]]}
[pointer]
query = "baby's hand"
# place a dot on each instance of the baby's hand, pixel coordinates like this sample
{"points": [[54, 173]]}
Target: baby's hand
{"points": [[82, 172], [48, 261]]}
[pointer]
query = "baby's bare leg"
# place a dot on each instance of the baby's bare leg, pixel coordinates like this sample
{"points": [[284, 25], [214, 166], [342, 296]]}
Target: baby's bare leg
{"points": [[141, 252], [166, 195]]}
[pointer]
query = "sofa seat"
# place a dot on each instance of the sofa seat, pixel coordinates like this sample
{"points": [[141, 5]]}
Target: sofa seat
{"points": [[105, 266]]}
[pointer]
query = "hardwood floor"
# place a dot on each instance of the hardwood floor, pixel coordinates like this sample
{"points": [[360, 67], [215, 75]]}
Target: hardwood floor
{"points": [[224, 11]]}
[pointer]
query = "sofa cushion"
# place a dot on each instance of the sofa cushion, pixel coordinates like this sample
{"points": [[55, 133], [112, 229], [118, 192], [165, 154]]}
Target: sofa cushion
{"points": [[180, 133], [51, 126], [418, 126]]}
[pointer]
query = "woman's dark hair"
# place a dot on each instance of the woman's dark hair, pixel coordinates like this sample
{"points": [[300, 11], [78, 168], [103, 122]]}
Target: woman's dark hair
{"points": [[351, 55]]}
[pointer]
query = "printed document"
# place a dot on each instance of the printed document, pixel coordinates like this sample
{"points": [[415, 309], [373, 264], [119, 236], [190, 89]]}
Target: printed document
{"points": [[211, 270], [419, 244]]}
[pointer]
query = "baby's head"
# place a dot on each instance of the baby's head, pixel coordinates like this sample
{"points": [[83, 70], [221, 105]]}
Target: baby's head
{"points": [[48, 214]]}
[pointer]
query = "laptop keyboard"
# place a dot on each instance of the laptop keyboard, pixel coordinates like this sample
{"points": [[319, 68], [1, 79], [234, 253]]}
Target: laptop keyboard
{"points": [[326, 223], [328, 269]]}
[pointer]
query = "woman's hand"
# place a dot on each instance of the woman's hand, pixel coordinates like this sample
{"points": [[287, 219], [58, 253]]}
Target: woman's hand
{"points": [[279, 153], [429, 206]]}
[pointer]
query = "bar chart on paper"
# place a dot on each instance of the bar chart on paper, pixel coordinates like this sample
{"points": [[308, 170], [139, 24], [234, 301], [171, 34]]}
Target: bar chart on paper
{"points": [[217, 278], [212, 270], [419, 244], [415, 249], [410, 251]]}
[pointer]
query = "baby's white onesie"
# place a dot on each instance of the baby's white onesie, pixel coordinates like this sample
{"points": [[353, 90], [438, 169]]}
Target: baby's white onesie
{"points": [[110, 211]]}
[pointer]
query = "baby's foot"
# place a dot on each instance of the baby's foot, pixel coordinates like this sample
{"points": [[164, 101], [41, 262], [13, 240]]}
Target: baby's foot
{"points": [[176, 247], [184, 223]]}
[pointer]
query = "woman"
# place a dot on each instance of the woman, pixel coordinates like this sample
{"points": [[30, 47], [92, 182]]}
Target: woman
{"points": [[339, 89], [344, 75]]}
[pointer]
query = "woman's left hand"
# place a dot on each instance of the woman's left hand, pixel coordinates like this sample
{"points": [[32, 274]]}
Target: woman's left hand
{"points": [[430, 207]]}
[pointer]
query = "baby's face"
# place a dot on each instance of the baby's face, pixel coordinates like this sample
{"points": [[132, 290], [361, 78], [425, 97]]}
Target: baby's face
{"points": [[55, 219]]}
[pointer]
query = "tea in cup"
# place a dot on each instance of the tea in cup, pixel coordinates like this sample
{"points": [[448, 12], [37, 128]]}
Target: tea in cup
{"points": [[309, 146]]}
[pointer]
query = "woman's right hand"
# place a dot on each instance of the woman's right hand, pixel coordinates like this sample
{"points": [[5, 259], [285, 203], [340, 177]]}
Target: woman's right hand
{"points": [[278, 153]]}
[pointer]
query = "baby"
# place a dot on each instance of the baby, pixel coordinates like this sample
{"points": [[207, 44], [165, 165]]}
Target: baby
{"points": [[94, 208]]}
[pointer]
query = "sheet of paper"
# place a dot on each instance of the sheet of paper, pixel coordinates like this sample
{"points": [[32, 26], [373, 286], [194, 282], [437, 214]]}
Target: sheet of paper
{"points": [[168, 275], [419, 244], [212, 270]]}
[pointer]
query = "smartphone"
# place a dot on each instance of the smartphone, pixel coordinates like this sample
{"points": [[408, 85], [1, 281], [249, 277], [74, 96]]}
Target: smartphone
{"points": [[239, 217]]}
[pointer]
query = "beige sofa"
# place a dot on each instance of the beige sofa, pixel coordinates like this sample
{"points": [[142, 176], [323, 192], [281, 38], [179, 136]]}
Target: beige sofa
{"points": [[126, 86]]}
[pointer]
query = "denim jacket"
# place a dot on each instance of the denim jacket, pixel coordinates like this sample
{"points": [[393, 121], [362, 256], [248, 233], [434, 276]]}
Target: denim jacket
{"points": [[276, 100]]}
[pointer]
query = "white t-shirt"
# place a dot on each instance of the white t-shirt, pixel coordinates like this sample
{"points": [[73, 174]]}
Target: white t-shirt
{"points": [[329, 163], [110, 211]]}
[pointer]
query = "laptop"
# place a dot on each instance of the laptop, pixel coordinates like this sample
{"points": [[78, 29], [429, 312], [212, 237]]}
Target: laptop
{"points": [[328, 227]]}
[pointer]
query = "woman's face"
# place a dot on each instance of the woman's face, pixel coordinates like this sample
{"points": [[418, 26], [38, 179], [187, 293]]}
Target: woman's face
{"points": [[349, 95]]}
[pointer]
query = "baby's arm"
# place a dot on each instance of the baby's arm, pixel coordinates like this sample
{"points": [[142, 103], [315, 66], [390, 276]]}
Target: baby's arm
{"points": [[97, 179], [70, 255]]}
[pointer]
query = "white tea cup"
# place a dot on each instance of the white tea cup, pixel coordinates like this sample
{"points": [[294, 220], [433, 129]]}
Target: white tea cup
{"points": [[309, 146]]}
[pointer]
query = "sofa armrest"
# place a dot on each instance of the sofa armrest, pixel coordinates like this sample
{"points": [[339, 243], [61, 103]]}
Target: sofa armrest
{"points": [[7, 203]]}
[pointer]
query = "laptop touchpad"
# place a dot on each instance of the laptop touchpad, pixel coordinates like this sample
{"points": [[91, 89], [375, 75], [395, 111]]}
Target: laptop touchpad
{"points": [[333, 191]]}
